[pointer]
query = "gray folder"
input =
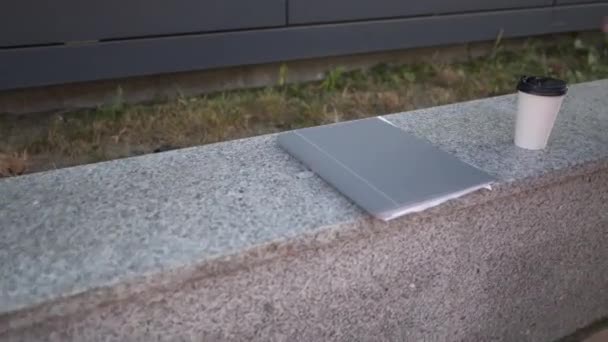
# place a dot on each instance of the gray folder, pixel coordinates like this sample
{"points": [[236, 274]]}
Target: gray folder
{"points": [[382, 168]]}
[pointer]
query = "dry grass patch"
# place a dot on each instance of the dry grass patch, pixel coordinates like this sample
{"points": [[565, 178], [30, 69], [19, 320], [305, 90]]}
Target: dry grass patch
{"points": [[61, 139]]}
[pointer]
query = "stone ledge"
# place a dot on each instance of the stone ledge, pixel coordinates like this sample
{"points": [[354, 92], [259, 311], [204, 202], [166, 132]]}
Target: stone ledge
{"points": [[80, 237]]}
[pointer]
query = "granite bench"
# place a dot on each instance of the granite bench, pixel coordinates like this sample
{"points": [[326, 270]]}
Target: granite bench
{"points": [[236, 241]]}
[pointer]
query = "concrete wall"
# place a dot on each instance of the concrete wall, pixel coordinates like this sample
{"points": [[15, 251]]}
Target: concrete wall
{"points": [[231, 242], [530, 266]]}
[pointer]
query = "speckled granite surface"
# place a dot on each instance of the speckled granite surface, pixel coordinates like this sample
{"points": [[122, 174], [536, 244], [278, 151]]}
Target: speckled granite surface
{"points": [[529, 267], [69, 231]]}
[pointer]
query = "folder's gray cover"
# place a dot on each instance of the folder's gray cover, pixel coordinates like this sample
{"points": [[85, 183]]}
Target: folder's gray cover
{"points": [[380, 167]]}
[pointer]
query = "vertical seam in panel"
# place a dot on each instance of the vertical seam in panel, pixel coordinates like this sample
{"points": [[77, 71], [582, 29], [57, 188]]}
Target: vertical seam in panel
{"points": [[287, 12], [553, 13]]}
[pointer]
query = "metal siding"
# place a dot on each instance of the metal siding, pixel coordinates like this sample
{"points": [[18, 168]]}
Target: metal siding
{"points": [[29, 22], [318, 11], [572, 2], [579, 18], [39, 66]]}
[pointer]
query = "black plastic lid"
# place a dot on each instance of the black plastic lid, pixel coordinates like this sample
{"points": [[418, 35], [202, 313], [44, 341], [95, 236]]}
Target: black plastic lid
{"points": [[544, 86]]}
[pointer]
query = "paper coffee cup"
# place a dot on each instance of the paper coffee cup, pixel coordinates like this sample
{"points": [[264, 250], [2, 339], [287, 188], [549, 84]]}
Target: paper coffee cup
{"points": [[539, 101]]}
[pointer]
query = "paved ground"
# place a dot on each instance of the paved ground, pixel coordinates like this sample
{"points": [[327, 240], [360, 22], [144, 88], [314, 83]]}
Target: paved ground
{"points": [[601, 336]]}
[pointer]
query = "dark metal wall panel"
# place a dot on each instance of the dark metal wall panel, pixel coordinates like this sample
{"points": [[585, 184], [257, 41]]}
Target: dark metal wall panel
{"points": [[319, 11], [578, 18], [62, 64], [562, 2], [29, 22]]}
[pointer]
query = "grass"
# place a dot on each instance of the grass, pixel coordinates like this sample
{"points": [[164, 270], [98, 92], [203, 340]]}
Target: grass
{"points": [[61, 139]]}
